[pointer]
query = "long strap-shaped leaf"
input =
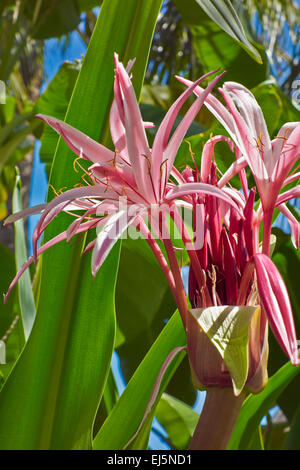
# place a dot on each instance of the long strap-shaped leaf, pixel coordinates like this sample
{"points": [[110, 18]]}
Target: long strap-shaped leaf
{"points": [[51, 397], [256, 406], [26, 298], [223, 13], [131, 406]]}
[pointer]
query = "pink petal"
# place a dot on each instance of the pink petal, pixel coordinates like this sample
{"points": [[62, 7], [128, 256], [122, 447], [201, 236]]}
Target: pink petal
{"points": [[282, 136], [108, 236], [117, 123], [288, 157], [229, 263], [252, 114], [208, 154], [215, 107], [62, 236], [235, 195], [178, 135], [79, 143], [248, 223], [291, 178], [24, 213], [163, 133], [276, 303], [294, 224], [60, 202], [238, 130], [247, 142], [187, 189], [234, 168], [287, 195], [136, 141]]}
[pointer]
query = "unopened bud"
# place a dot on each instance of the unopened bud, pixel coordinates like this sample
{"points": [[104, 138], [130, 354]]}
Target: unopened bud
{"points": [[228, 347]]}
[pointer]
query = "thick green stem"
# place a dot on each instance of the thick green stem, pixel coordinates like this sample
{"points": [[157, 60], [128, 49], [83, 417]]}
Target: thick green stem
{"points": [[217, 419]]}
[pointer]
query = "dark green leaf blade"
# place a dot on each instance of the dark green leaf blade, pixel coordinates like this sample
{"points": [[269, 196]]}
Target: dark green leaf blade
{"points": [[256, 406], [132, 404]]}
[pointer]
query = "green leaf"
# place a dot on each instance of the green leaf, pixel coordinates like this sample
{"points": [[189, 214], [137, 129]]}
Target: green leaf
{"points": [[132, 404], [109, 399], [209, 41], [55, 18], [26, 298], [227, 327], [9, 315], [256, 406], [293, 439], [287, 260], [277, 107], [223, 13], [63, 369], [86, 5], [178, 419], [142, 311], [54, 102], [15, 142], [256, 442]]}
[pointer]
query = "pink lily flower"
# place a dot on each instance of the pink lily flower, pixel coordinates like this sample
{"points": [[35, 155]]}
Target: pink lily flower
{"points": [[270, 161], [235, 270], [132, 173], [228, 268]]}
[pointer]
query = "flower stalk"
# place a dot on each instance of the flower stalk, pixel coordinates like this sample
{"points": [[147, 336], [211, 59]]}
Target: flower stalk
{"points": [[217, 419]]}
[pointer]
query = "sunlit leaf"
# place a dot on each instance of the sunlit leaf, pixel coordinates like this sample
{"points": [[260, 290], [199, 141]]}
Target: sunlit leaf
{"points": [[178, 419]]}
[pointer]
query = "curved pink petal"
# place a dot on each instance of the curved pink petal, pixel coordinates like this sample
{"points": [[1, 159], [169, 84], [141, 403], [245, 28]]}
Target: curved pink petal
{"points": [[165, 128], [238, 130], [60, 202], [293, 222], [247, 142], [289, 156], [208, 154], [282, 136], [216, 108], [234, 168], [79, 143], [179, 133], [252, 114], [287, 195], [62, 236], [292, 177], [117, 117], [24, 213], [108, 236], [276, 303], [136, 141], [187, 189]]}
